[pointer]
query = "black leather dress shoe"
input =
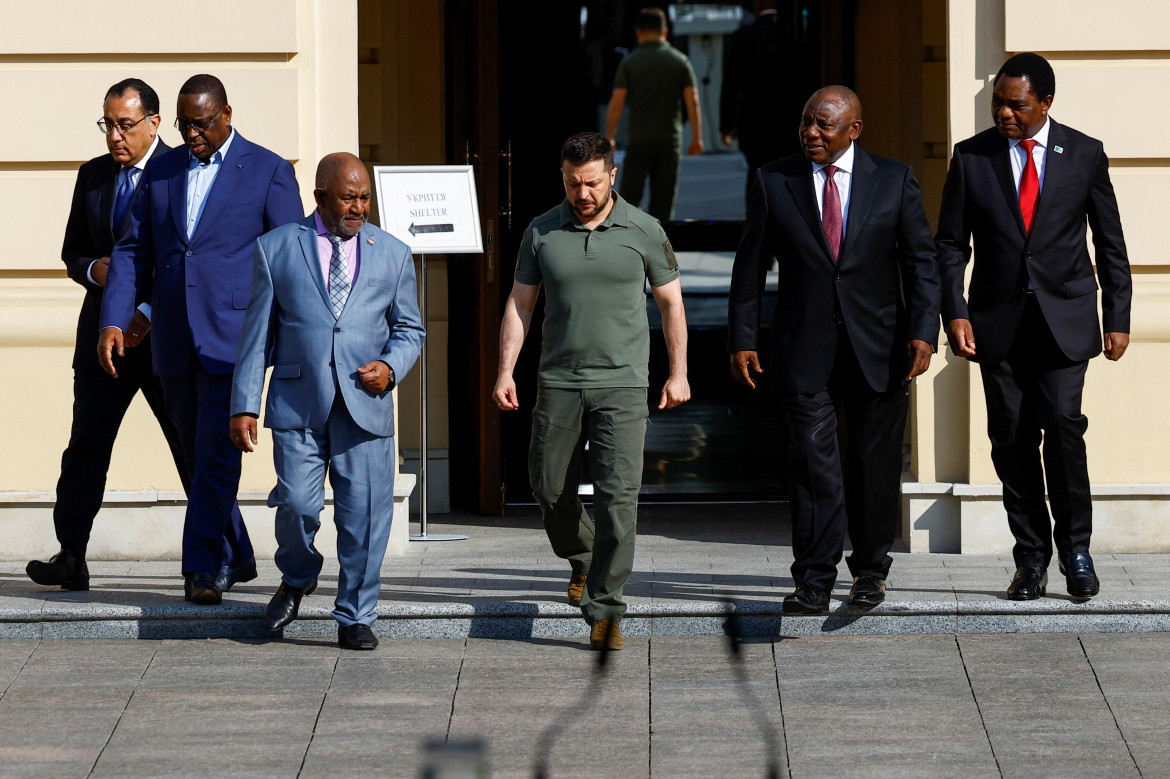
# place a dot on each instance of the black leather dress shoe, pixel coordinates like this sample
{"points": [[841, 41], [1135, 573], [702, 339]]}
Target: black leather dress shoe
{"points": [[356, 636], [1029, 583], [807, 599], [867, 592], [229, 577], [1079, 575], [199, 587], [64, 569], [286, 604]]}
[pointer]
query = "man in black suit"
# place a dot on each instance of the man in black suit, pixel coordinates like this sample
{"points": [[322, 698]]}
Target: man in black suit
{"points": [[99, 216], [1025, 190], [857, 318]]}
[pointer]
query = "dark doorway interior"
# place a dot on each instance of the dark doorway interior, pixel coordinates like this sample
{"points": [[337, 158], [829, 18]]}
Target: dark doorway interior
{"points": [[554, 65]]}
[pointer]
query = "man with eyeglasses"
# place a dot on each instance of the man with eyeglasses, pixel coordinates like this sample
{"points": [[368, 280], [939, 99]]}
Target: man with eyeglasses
{"points": [[98, 217], [189, 251]]}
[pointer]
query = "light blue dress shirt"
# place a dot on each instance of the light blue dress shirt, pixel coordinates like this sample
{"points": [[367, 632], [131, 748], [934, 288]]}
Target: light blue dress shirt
{"points": [[200, 178]]}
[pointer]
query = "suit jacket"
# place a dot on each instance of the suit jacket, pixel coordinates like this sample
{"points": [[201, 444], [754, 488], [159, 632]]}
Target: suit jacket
{"points": [[198, 288], [980, 200], [89, 236], [884, 286], [290, 325]]}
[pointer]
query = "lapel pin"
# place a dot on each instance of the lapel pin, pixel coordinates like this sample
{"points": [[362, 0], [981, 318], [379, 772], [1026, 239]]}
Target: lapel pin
{"points": [[239, 164], [1058, 149], [370, 241]]}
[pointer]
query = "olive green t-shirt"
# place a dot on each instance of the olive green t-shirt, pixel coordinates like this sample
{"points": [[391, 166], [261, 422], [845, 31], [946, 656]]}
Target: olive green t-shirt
{"points": [[595, 328], [655, 75]]}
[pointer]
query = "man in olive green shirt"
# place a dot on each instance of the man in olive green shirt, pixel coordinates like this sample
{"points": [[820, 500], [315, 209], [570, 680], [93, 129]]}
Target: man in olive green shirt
{"points": [[656, 80], [594, 254]]}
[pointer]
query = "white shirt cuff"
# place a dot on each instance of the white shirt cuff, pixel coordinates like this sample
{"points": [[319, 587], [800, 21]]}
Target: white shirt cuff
{"points": [[89, 272]]}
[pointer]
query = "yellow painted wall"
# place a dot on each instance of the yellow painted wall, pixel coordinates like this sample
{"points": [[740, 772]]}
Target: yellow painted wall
{"points": [[1103, 60], [290, 69]]}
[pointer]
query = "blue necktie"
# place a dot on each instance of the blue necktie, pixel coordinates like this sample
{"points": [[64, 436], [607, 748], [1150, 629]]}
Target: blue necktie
{"points": [[125, 192]]}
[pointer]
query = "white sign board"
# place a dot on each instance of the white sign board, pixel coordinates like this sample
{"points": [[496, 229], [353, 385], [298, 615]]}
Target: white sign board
{"points": [[431, 208]]}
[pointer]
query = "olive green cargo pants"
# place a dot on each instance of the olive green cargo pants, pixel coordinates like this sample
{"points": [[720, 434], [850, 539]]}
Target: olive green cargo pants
{"points": [[613, 422]]}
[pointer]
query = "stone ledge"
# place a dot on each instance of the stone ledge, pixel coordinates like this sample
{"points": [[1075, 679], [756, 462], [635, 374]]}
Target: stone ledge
{"points": [[536, 620]]}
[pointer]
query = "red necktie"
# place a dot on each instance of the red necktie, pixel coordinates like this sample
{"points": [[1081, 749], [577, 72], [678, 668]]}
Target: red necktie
{"points": [[831, 211], [1029, 185]]}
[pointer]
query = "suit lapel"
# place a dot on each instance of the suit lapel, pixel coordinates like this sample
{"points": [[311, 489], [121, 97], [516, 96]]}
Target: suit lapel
{"points": [[863, 183], [231, 170], [369, 261], [106, 202], [1054, 170], [177, 195], [802, 191], [1001, 162], [308, 241]]}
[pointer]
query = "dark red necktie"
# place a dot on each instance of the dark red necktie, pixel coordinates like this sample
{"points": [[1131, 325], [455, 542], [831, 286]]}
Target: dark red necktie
{"points": [[1029, 185], [831, 211]]}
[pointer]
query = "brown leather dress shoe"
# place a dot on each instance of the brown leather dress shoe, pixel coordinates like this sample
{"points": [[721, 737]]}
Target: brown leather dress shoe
{"points": [[606, 634], [576, 588], [199, 587]]}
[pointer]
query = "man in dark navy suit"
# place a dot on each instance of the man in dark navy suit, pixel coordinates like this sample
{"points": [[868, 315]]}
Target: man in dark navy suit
{"points": [[189, 249], [106, 187], [856, 320], [1025, 191]]}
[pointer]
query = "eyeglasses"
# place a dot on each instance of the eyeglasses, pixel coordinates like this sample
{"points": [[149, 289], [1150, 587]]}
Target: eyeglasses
{"points": [[108, 127], [199, 127]]}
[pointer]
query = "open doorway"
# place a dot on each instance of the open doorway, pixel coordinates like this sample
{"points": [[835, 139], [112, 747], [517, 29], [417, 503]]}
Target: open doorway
{"points": [[523, 75]]}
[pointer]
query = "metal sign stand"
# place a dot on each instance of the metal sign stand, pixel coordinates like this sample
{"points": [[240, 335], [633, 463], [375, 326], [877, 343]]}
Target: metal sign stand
{"points": [[422, 459]]}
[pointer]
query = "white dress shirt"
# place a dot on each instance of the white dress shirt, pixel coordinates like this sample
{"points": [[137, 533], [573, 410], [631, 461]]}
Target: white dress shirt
{"points": [[842, 178], [1039, 152]]}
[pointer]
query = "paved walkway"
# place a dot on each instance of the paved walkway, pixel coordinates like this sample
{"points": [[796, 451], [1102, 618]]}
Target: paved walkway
{"points": [[694, 564], [1040, 705]]}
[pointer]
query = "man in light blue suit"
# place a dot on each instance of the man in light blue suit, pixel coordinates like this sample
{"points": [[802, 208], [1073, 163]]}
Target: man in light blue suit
{"points": [[334, 311], [188, 252]]}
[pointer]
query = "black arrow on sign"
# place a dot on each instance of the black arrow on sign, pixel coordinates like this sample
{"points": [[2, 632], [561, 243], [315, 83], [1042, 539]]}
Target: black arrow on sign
{"points": [[434, 228]]}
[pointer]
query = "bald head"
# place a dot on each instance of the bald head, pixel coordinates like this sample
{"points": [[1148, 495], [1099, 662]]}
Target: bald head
{"points": [[342, 193], [831, 122], [338, 165], [840, 95]]}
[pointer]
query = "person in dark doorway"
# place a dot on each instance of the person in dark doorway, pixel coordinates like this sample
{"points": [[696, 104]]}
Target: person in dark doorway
{"points": [[752, 99], [189, 249], [105, 191], [857, 318], [656, 80], [594, 254], [1025, 190]]}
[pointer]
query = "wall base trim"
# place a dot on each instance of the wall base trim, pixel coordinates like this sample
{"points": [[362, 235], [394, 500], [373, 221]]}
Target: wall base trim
{"points": [[148, 524], [959, 518]]}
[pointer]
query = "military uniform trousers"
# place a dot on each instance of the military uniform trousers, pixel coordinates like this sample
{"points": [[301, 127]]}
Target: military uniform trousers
{"points": [[613, 423], [659, 161]]}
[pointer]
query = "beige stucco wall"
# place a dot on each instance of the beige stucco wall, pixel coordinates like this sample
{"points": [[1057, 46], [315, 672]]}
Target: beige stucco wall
{"points": [[1103, 60], [290, 69]]}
